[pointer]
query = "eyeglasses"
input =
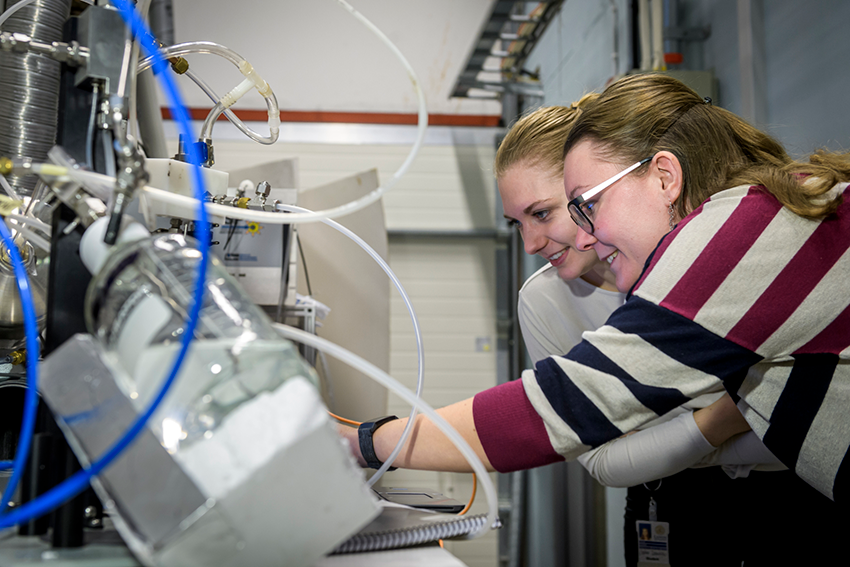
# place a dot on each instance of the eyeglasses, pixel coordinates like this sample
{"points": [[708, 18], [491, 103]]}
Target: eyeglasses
{"points": [[575, 206]]}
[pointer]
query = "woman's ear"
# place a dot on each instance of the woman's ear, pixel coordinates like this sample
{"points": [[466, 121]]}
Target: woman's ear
{"points": [[670, 173]]}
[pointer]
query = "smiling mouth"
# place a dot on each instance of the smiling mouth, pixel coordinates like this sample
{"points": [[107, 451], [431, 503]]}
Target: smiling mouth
{"points": [[554, 257], [611, 258]]}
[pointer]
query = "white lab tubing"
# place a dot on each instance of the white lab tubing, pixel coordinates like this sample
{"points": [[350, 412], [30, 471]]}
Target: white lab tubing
{"points": [[32, 221], [185, 206], [30, 236], [396, 387], [5, 16], [657, 10], [645, 35], [420, 380]]}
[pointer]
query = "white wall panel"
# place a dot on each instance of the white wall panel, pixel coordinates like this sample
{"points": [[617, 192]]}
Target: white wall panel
{"points": [[575, 54], [452, 289]]}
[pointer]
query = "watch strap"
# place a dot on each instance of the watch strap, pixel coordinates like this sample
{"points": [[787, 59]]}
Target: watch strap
{"points": [[367, 446]]}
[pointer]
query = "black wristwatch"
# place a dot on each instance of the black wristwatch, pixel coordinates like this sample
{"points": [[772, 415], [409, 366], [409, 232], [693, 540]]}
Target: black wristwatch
{"points": [[367, 447]]}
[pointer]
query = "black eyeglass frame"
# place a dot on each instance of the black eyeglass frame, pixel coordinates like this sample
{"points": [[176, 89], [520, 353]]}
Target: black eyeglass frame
{"points": [[574, 206]]}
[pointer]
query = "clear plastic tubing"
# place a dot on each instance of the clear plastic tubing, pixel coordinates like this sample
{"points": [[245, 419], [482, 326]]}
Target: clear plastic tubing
{"points": [[219, 109], [392, 384], [422, 125], [229, 113], [8, 188], [416, 331], [79, 481], [180, 49], [209, 47]]}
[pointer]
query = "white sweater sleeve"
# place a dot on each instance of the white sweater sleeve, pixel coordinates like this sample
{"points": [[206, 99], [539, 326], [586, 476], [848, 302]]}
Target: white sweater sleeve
{"points": [[741, 454], [671, 447], [653, 453]]}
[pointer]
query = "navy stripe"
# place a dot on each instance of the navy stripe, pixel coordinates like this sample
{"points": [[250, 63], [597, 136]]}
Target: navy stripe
{"points": [[573, 406], [682, 340], [658, 399], [798, 405], [842, 481]]}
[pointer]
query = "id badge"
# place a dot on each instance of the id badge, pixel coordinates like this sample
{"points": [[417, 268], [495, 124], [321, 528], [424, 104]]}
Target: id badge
{"points": [[653, 543]]}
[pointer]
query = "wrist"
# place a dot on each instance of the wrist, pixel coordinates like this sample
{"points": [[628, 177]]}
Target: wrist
{"points": [[365, 436], [720, 421]]}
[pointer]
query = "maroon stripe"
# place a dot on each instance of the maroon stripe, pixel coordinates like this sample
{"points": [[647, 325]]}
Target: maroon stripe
{"points": [[511, 431], [664, 244], [797, 279], [833, 339], [722, 253]]}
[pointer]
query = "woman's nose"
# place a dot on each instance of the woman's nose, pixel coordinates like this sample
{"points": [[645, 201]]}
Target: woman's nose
{"points": [[533, 240], [584, 241]]}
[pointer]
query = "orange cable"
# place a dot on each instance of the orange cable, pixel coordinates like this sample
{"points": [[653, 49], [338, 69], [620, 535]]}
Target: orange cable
{"points": [[342, 419], [471, 498]]}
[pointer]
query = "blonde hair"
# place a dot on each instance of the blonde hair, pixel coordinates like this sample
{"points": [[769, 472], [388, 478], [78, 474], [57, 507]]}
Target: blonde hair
{"points": [[640, 115], [537, 138]]}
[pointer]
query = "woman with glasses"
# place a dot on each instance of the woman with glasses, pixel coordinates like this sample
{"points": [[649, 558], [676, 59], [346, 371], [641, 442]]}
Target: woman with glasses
{"points": [[736, 261], [573, 293]]}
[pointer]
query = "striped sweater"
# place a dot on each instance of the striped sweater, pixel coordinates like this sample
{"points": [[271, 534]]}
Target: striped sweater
{"points": [[742, 293]]}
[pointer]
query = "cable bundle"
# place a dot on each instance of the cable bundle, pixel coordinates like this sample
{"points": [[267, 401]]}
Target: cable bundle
{"points": [[452, 526]]}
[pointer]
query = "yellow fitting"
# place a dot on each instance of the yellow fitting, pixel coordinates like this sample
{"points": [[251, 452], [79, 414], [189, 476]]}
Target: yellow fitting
{"points": [[6, 165], [179, 65], [23, 250], [243, 203], [18, 357]]}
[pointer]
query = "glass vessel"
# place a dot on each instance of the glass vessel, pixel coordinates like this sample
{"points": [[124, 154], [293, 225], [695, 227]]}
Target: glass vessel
{"points": [[138, 305]]}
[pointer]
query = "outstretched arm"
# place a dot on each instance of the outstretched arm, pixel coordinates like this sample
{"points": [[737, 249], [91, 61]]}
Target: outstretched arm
{"points": [[427, 448]]}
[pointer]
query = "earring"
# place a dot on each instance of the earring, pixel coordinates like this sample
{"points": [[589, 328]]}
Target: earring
{"points": [[672, 214]]}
